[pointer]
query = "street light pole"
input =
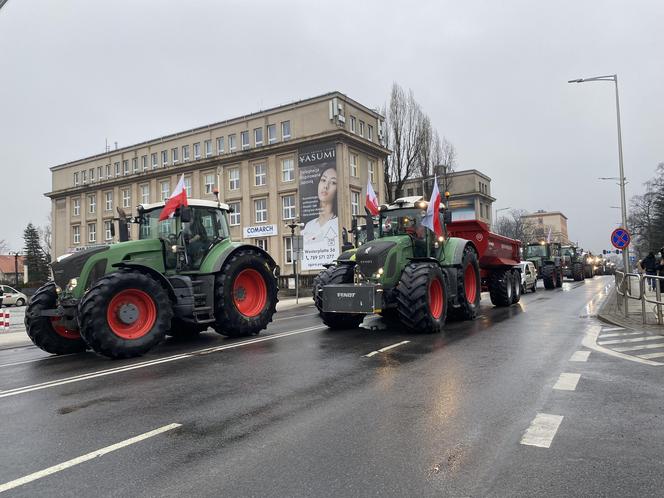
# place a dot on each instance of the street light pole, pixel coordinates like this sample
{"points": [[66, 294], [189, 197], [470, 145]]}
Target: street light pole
{"points": [[16, 254], [293, 225]]}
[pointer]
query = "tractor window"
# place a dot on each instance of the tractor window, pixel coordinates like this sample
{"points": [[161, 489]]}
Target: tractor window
{"points": [[403, 222], [210, 222], [536, 250], [152, 228]]}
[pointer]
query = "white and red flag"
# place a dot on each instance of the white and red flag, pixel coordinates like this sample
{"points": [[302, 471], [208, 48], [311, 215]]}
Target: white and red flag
{"points": [[432, 219], [178, 198], [372, 200]]}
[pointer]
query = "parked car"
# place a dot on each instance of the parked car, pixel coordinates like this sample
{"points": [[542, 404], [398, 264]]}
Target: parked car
{"points": [[12, 296], [528, 276]]}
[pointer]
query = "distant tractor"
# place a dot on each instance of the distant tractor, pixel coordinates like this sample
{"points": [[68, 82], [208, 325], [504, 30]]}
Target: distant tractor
{"points": [[589, 265], [407, 272], [180, 277], [548, 261], [573, 263]]}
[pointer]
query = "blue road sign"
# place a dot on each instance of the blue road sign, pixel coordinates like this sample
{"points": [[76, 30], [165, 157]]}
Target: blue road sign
{"points": [[620, 238]]}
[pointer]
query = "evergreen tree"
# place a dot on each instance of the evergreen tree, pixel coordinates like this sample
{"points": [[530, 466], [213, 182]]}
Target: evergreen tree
{"points": [[34, 256]]}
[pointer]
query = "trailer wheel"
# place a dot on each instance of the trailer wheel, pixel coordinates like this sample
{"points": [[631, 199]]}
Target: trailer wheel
{"points": [[337, 274], [500, 288], [124, 314], [468, 286], [46, 332], [577, 271], [548, 277], [422, 298], [516, 291]]}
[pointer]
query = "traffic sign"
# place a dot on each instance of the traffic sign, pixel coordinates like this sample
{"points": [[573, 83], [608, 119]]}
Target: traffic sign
{"points": [[620, 238]]}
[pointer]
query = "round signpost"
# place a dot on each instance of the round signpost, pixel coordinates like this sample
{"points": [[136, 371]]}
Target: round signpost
{"points": [[620, 238]]}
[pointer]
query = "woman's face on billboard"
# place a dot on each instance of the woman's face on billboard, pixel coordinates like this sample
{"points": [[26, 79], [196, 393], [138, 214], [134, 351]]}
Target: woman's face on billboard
{"points": [[327, 186]]}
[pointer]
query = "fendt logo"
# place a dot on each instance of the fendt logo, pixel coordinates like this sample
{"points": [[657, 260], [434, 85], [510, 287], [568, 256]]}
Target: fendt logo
{"points": [[346, 294]]}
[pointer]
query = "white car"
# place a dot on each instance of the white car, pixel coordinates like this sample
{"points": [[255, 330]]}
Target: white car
{"points": [[12, 296], [528, 276]]}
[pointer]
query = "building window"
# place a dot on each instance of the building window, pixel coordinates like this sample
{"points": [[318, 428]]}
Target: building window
{"points": [[220, 145], [164, 158], [208, 148], [185, 153], [155, 163], [92, 175], [354, 203], [125, 167], [234, 213], [260, 208], [232, 143], [361, 128], [197, 150], [187, 186], [409, 192], [175, 155], [244, 136], [271, 133], [92, 232], [258, 136], [262, 243], [99, 173], [92, 204], [287, 170], [107, 230], [126, 198], [285, 130], [108, 201], [76, 234], [108, 171], [352, 124], [144, 163], [209, 183], [234, 179], [77, 207], [145, 193], [165, 189], [370, 132], [353, 165], [76, 178], [288, 250], [117, 168], [134, 165], [260, 174], [288, 205], [371, 168]]}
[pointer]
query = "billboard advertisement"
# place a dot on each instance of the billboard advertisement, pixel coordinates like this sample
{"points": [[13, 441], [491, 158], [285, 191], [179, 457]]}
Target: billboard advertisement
{"points": [[318, 205]]}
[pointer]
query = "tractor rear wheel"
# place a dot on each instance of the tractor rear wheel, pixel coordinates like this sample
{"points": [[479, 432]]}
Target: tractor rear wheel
{"points": [[468, 286], [422, 298], [500, 288], [245, 295], [577, 271], [48, 333], [124, 314], [338, 274], [516, 291], [548, 277]]}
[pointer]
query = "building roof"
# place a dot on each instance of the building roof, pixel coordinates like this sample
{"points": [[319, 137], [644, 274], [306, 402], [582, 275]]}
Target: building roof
{"points": [[537, 214], [7, 263]]}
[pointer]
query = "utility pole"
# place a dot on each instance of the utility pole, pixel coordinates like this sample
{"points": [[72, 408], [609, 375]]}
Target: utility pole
{"points": [[293, 225]]}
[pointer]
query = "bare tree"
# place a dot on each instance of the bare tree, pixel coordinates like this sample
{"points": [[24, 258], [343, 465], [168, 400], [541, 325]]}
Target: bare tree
{"points": [[4, 247], [642, 219], [515, 227], [446, 162], [45, 238]]}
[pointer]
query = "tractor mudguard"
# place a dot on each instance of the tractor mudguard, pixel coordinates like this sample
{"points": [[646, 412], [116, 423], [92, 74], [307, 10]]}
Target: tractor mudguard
{"points": [[159, 277], [221, 258]]}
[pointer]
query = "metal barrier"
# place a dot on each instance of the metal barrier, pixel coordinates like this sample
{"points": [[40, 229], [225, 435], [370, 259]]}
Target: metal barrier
{"points": [[624, 289], [659, 284]]}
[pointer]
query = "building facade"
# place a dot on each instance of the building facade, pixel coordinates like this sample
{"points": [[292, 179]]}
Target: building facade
{"points": [[267, 167], [548, 225], [12, 269]]}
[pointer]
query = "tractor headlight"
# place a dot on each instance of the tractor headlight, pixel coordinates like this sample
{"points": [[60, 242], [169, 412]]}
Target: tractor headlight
{"points": [[174, 249], [72, 284], [380, 271]]}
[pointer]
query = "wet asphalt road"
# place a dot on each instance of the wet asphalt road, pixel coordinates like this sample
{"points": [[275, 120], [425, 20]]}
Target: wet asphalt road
{"points": [[302, 411]]}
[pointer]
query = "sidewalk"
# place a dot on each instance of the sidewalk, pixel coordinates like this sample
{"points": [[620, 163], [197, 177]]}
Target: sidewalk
{"points": [[609, 312]]}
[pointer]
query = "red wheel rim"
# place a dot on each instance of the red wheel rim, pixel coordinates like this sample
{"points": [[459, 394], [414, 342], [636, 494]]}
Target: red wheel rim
{"points": [[63, 331], [249, 293], [436, 298], [131, 314], [470, 283]]}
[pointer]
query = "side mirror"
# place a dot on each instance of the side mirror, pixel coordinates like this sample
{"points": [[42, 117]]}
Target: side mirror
{"points": [[185, 214]]}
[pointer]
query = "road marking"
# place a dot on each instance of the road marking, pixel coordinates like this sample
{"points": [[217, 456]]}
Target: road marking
{"points": [[567, 382], [542, 430], [84, 458], [637, 339], [580, 356], [611, 329], [144, 364], [620, 334], [589, 341], [641, 346], [386, 348], [651, 355]]}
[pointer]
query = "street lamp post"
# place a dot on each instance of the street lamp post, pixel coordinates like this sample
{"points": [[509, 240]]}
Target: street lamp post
{"points": [[16, 255], [623, 206], [293, 225]]}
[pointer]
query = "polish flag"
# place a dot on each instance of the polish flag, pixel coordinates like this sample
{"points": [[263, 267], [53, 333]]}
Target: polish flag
{"points": [[178, 198], [372, 201], [432, 219]]}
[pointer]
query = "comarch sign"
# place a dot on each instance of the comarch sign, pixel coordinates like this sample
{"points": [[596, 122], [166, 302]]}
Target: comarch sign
{"points": [[260, 231]]}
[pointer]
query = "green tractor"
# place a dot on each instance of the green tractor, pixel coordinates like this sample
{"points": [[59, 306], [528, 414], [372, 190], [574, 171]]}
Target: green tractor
{"points": [[573, 262], [589, 265], [404, 272], [548, 261], [181, 276]]}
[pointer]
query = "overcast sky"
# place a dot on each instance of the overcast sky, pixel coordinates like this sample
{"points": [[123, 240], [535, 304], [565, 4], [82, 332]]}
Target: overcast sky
{"points": [[491, 75]]}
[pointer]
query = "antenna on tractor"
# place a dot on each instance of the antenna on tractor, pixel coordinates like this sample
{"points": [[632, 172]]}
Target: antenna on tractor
{"points": [[215, 191]]}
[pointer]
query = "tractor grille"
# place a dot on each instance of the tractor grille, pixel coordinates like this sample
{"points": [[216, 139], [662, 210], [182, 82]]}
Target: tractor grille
{"points": [[372, 255]]}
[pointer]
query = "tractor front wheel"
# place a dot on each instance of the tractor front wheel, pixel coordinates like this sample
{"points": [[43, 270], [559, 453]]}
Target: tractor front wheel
{"points": [[559, 277], [338, 274], [577, 271], [548, 276], [422, 298], [124, 314]]}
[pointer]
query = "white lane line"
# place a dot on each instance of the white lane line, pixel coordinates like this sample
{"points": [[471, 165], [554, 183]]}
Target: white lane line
{"points": [[636, 339], [36, 360], [135, 366], [611, 329], [589, 341], [580, 356], [567, 382], [641, 346], [542, 430], [619, 334], [651, 355], [386, 348], [84, 458]]}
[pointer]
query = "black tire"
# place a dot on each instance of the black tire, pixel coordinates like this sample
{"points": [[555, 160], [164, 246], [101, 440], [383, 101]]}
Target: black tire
{"points": [[559, 277], [129, 292], [40, 328], [185, 330], [535, 286], [548, 277], [231, 321], [516, 290], [468, 309], [500, 287], [577, 271], [337, 274], [416, 294], [19, 302]]}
